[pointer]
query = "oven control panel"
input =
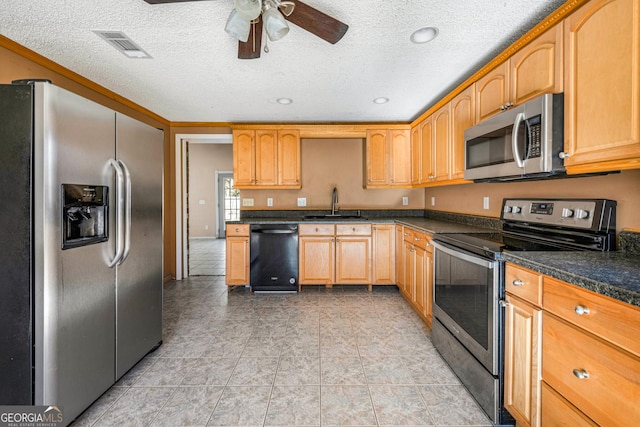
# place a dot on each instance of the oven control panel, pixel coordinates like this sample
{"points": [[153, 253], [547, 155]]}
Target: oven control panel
{"points": [[574, 213]]}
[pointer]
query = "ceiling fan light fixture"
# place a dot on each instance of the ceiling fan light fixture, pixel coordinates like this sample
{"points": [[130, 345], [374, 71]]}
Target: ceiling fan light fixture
{"points": [[424, 35], [274, 22], [286, 7], [381, 100], [238, 27], [249, 9]]}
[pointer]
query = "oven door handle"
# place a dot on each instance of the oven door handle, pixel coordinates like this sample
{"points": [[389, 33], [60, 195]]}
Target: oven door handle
{"points": [[462, 254]]}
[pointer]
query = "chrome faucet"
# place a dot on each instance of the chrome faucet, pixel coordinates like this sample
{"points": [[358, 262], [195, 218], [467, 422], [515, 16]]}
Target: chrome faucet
{"points": [[334, 200]]}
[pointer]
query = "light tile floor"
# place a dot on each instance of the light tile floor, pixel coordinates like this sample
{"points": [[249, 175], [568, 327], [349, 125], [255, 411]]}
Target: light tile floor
{"points": [[206, 257], [340, 357]]}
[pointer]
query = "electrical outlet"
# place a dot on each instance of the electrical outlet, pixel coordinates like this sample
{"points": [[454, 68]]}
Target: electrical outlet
{"points": [[302, 201], [405, 201], [247, 202], [206, 227], [485, 203], [201, 201], [433, 201], [269, 201]]}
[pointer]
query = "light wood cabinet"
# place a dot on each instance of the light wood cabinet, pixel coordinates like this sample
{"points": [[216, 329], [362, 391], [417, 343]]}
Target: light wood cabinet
{"points": [[388, 158], [602, 87], [335, 254], [588, 348], [441, 146], [534, 70], [399, 230], [417, 287], [237, 255], [384, 254], [462, 117], [425, 153], [266, 158]]}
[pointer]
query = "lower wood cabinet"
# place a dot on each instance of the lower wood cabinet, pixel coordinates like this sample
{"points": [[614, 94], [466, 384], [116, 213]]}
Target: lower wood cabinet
{"points": [[237, 255], [417, 285], [572, 356]]}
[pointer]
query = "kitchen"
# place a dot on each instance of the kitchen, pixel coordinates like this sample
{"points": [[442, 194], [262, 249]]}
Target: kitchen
{"points": [[469, 199]]}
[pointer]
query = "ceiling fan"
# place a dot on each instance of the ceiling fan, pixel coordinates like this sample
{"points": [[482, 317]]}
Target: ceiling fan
{"points": [[246, 22]]}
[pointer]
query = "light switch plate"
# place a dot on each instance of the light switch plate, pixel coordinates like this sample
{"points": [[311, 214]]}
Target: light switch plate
{"points": [[405, 201], [269, 201], [247, 202], [485, 203], [302, 201], [433, 201]]}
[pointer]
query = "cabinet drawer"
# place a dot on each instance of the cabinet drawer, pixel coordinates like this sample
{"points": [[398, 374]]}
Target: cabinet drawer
{"points": [[237, 229], [353, 230], [601, 380], [524, 283], [557, 412], [316, 229], [422, 240], [408, 235], [612, 320]]}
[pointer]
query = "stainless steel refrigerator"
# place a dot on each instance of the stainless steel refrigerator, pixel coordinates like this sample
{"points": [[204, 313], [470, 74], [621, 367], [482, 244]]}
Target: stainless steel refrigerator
{"points": [[80, 246]]}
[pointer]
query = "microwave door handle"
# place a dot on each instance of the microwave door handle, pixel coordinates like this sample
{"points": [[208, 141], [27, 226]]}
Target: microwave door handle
{"points": [[514, 140]]}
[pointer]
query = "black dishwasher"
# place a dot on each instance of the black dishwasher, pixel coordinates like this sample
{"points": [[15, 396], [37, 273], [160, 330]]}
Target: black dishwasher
{"points": [[274, 257]]}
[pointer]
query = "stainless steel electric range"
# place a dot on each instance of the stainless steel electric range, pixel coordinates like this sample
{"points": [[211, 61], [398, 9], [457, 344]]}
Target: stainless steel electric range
{"points": [[468, 325]]}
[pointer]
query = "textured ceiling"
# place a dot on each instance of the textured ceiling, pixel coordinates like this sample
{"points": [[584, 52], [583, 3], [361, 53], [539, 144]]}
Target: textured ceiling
{"points": [[195, 75]]}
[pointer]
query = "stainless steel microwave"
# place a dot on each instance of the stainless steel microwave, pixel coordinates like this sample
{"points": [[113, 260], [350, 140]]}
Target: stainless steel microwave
{"points": [[524, 142]]}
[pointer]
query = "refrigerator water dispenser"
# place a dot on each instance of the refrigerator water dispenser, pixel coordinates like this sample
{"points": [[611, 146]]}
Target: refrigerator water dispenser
{"points": [[84, 215]]}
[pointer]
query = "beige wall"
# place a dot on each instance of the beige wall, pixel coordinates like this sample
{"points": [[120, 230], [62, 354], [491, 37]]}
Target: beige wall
{"points": [[204, 161], [328, 163], [623, 187]]}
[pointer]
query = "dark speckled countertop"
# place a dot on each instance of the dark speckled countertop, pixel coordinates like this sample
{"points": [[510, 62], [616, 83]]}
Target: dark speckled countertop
{"points": [[614, 274]]}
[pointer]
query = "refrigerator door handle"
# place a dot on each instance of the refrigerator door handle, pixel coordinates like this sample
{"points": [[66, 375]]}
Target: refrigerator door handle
{"points": [[120, 215], [127, 212]]}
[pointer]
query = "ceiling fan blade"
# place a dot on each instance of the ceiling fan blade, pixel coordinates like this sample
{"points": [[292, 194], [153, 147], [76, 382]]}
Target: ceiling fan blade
{"points": [[167, 1], [318, 23], [251, 48]]}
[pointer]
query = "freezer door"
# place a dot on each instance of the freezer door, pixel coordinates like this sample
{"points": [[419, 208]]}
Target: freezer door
{"points": [[139, 277], [74, 288]]}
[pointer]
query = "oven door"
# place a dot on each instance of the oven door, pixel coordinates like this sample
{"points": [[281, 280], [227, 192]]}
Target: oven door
{"points": [[466, 296]]}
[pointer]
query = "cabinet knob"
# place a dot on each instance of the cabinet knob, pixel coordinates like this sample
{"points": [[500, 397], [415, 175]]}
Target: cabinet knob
{"points": [[581, 374], [237, 230], [564, 155], [581, 309], [417, 239], [503, 303], [431, 176], [518, 282]]}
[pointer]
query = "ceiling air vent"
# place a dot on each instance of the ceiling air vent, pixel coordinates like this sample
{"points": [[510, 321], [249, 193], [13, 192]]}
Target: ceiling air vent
{"points": [[123, 43]]}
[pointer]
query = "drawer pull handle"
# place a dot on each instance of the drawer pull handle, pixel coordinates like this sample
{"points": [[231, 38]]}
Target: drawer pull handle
{"points": [[518, 282], [581, 374], [581, 309]]}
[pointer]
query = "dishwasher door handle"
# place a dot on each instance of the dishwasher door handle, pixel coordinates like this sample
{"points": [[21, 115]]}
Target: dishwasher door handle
{"points": [[275, 231]]}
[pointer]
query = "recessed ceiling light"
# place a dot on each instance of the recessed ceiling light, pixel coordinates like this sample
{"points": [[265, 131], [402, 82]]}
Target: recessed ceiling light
{"points": [[381, 100], [284, 101], [424, 35]]}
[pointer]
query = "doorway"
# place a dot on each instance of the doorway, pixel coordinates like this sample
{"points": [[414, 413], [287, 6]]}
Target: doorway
{"points": [[228, 202]]}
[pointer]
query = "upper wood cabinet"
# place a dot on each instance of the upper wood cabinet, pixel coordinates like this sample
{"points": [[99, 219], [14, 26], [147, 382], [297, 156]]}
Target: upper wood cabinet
{"points": [[388, 158], [266, 158], [462, 118], [602, 87], [532, 71], [441, 146]]}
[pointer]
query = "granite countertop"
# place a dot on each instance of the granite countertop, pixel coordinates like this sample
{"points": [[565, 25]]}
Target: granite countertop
{"points": [[613, 274]]}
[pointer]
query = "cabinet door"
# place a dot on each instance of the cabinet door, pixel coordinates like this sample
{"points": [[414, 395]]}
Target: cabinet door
{"points": [[377, 153], [492, 92], [602, 86], [353, 260], [462, 117], [400, 161], [420, 278], [266, 157], [441, 143], [316, 260], [428, 308], [415, 155], [426, 145], [409, 271], [384, 261], [289, 158], [522, 374], [243, 157], [237, 260], [400, 256], [536, 69]]}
